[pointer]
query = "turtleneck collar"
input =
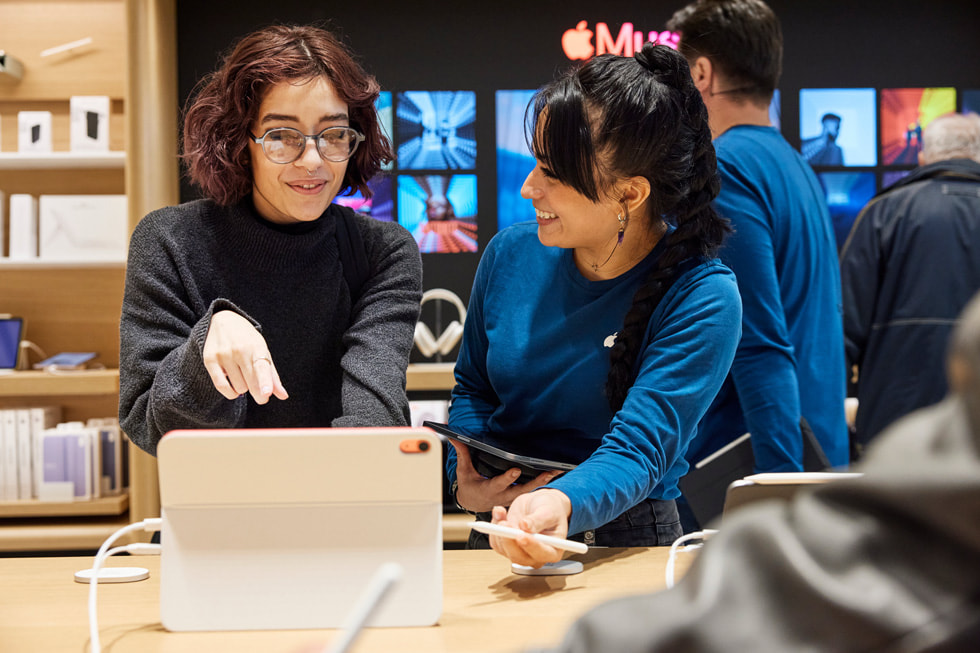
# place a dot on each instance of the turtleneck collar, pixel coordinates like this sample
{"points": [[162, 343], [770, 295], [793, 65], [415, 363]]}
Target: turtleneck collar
{"points": [[265, 245], [248, 204]]}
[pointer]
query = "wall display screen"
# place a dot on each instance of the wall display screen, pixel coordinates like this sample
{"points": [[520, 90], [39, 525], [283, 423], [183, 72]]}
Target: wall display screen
{"points": [[440, 211], [904, 113], [385, 118], [514, 159], [838, 126], [379, 206], [847, 193], [889, 177], [776, 110], [971, 100], [435, 130]]}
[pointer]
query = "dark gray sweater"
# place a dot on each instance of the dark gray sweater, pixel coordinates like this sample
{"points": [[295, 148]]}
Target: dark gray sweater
{"points": [[342, 365]]}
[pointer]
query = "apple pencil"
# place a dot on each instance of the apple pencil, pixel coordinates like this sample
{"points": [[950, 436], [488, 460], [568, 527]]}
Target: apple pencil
{"points": [[366, 605], [514, 533]]}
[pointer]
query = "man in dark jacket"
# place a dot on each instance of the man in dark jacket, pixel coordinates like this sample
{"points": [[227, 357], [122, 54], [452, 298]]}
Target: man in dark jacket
{"points": [[889, 561], [909, 266]]}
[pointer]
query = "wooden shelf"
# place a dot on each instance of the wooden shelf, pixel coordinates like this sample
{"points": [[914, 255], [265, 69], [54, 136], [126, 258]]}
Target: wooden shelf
{"points": [[115, 505], [431, 376], [36, 383], [421, 376], [61, 160], [35, 264], [70, 533]]}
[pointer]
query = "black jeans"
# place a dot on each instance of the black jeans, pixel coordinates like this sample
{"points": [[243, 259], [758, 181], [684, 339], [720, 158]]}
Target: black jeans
{"points": [[653, 522]]}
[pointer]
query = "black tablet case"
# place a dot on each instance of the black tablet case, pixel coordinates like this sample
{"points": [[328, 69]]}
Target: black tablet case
{"points": [[704, 487]]}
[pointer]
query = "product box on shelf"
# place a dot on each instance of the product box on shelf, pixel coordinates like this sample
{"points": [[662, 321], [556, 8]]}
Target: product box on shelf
{"points": [[89, 123], [83, 227], [23, 226], [34, 132], [76, 461]]}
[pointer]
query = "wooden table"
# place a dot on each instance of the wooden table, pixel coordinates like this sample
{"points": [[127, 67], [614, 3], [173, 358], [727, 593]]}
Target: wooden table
{"points": [[486, 607]]}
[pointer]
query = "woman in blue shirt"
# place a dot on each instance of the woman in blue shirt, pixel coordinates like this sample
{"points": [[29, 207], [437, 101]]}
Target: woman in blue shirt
{"points": [[602, 331]]}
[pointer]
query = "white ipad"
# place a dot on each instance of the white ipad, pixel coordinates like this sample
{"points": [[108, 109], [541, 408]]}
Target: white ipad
{"points": [[283, 528]]}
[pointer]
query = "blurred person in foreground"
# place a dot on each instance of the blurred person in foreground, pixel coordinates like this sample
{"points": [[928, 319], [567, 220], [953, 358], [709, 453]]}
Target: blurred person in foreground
{"points": [[889, 561]]}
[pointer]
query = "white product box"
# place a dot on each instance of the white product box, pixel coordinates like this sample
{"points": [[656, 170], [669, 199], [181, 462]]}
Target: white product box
{"points": [[34, 131], [433, 410], [23, 226], [89, 123], [8, 454], [83, 227]]}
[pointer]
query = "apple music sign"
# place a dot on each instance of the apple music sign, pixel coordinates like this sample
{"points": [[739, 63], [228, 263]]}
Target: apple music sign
{"points": [[577, 42]]}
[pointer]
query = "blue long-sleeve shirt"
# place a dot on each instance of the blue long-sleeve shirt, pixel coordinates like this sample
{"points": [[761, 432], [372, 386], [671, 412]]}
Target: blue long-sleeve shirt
{"points": [[535, 356], [790, 361]]}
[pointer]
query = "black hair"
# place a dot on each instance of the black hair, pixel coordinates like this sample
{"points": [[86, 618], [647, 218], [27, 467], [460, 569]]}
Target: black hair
{"points": [[619, 117], [742, 38]]}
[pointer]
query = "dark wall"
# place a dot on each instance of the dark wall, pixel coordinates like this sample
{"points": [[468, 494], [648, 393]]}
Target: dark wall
{"points": [[484, 46]]}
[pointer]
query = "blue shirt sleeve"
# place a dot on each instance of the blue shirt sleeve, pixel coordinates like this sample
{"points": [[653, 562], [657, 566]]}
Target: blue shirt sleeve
{"points": [[691, 341], [473, 398]]}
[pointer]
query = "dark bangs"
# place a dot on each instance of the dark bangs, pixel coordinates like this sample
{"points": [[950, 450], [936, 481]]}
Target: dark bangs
{"points": [[560, 136]]}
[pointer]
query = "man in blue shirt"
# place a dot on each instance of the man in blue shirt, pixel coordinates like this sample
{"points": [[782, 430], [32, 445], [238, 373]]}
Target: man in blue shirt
{"points": [[790, 361]]}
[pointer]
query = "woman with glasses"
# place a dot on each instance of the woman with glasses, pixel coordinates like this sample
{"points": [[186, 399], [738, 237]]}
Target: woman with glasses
{"points": [[240, 309], [599, 334]]}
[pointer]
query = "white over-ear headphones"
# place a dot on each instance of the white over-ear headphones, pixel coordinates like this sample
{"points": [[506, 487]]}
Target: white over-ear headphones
{"points": [[425, 341]]}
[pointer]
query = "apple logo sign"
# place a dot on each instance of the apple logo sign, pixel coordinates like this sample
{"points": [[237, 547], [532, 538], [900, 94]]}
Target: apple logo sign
{"points": [[577, 42], [610, 340]]}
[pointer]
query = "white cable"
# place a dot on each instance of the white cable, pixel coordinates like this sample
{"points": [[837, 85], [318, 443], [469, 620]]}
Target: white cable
{"points": [[27, 344], [148, 525], [675, 547]]}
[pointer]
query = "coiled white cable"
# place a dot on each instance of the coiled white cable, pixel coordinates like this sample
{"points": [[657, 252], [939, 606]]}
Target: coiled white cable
{"points": [[676, 546], [139, 548]]}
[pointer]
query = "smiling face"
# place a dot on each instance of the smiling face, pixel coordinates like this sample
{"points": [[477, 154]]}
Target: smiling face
{"points": [[299, 191], [567, 218]]}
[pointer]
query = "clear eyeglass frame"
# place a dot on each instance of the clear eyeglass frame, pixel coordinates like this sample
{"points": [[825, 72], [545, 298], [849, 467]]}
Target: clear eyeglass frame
{"points": [[334, 144]]}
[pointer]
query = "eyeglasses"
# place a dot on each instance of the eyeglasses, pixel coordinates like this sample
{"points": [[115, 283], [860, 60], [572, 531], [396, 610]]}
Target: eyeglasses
{"points": [[285, 144]]}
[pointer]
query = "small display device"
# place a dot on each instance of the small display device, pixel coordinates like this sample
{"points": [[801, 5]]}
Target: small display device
{"points": [[11, 332], [69, 360], [491, 459]]}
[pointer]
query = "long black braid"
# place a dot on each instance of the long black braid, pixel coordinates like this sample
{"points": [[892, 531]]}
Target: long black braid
{"points": [[684, 193]]}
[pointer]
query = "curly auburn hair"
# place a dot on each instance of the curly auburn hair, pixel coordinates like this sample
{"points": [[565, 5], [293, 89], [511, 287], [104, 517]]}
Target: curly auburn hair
{"points": [[220, 113]]}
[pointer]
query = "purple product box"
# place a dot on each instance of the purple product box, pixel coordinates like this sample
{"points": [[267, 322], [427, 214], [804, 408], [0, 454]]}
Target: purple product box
{"points": [[66, 459]]}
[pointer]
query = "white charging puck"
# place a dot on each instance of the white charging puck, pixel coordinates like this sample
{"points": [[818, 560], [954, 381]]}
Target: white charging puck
{"points": [[560, 568], [113, 575]]}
